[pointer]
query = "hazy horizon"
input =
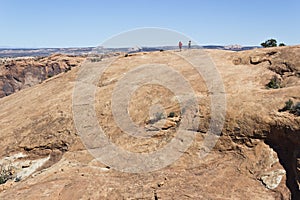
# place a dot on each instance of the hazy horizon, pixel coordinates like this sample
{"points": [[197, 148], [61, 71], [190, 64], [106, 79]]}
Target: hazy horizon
{"points": [[70, 47]]}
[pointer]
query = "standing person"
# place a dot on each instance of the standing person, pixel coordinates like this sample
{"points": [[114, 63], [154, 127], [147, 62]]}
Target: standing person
{"points": [[190, 44], [180, 45]]}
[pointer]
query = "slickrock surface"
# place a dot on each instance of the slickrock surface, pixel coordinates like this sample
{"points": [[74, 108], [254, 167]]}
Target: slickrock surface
{"points": [[256, 157]]}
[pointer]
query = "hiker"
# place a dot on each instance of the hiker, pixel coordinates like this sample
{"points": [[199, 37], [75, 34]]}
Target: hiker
{"points": [[180, 45], [190, 44]]}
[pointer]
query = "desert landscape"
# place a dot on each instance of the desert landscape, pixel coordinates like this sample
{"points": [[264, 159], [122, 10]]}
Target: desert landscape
{"points": [[256, 156]]}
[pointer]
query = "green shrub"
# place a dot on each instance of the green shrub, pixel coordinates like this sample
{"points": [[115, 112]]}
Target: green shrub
{"points": [[269, 43], [288, 106], [296, 109], [95, 59], [171, 114], [274, 83], [291, 107]]}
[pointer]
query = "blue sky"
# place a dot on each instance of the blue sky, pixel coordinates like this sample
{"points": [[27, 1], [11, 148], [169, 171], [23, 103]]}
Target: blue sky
{"points": [[76, 23]]}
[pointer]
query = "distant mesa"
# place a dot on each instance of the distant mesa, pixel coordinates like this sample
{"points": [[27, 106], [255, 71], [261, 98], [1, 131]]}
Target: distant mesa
{"points": [[233, 47]]}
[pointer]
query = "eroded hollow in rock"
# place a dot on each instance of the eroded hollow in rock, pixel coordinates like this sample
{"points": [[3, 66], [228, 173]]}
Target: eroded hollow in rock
{"points": [[286, 143]]}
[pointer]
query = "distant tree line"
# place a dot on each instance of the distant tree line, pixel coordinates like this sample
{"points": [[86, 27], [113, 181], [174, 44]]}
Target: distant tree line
{"points": [[271, 43]]}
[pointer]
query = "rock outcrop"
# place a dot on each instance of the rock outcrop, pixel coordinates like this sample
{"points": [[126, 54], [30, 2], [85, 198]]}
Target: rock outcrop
{"points": [[18, 73], [256, 156]]}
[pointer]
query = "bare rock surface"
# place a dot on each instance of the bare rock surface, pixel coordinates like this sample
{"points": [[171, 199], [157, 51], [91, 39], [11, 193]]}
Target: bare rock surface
{"points": [[256, 157]]}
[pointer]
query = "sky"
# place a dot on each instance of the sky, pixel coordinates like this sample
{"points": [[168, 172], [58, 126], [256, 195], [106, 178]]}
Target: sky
{"points": [[82, 23]]}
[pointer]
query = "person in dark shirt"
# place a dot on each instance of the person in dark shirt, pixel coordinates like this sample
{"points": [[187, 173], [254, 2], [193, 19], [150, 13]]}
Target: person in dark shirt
{"points": [[180, 45]]}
